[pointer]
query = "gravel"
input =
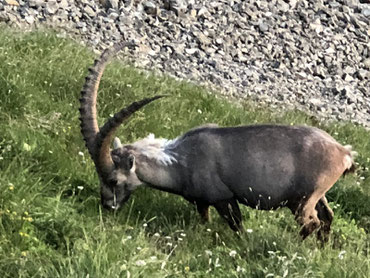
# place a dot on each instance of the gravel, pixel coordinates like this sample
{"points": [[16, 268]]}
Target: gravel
{"points": [[309, 55]]}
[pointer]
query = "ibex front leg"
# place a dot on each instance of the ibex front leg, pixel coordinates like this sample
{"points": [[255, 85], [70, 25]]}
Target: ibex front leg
{"points": [[230, 211], [203, 209]]}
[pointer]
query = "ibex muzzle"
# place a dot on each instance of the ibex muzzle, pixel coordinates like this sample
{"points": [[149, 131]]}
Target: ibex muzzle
{"points": [[262, 166]]}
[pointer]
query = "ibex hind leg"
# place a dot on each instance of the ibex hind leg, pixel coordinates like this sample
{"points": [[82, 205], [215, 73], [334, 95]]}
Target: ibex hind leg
{"points": [[230, 211], [326, 215]]}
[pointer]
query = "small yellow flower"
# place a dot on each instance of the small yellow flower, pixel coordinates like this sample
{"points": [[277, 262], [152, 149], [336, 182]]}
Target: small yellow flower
{"points": [[24, 253], [26, 213], [29, 219], [187, 269], [14, 213], [11, 188]]}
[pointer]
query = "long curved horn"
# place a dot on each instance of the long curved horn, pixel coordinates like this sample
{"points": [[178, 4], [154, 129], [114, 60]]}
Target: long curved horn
{"points": [[98, 141], [105, 135], [89, 123]]}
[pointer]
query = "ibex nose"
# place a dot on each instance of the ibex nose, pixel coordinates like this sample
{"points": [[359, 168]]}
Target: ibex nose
{"points": [[110, 205]]}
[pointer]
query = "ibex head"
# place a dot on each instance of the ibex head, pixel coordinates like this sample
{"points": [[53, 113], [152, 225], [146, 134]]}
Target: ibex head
{"points": [[116, 169]]}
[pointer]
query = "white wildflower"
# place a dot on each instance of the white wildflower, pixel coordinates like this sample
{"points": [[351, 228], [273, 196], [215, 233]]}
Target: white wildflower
{"points": [[341, 254], [145, 225], [26, 147], [81, 154], [217, 262], [232, 253], [80, 187], [208, 252], [240, 269], [140, 263], [183, 235], [249, 231], [156, 235]]}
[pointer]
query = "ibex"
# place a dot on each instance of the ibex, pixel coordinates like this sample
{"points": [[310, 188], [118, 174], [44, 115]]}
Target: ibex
{"points": [[261, 166]]}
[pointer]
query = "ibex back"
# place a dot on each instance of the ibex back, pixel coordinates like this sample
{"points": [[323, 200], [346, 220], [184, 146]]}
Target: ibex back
{"points": [[262, 166]]}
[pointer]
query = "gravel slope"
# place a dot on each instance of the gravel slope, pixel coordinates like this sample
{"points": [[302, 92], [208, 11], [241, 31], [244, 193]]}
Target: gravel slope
{"points": [[312, 55]]}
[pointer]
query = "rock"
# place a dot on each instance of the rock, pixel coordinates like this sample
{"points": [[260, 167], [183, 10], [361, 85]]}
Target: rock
{"points": [[284, 7], [12, 2], [4, 17], [191, 51], [150, 8], [177, 6], [63, 4], [51, 6], [110, 4], [315, 102], [203, 12], [363, 74], [89, 11], [263, 27], [301, 75], [366, 12], [30, 19]]}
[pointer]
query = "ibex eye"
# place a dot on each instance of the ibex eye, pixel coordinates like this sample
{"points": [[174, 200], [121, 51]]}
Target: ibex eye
{"points": [[131, 160], [116, 159]]}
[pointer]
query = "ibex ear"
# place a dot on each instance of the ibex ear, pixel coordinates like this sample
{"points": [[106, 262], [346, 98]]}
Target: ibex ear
{"points": [[117, 143]]}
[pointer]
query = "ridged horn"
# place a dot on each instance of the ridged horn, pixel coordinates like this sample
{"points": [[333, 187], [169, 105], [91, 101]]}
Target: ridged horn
{"points": [[106, 133], [88, 119]]}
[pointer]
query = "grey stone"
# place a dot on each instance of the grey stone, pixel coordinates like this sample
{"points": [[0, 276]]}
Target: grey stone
{"points": [[63, 4], [366, 12], [30, 19], [4, 16], [263, 26], [89, 11], [112, 4], [178, 6], [52, 6], [150, 7]]}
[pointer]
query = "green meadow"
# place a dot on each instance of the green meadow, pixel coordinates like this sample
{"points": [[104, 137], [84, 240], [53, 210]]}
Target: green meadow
{"points": [[51, 221]]}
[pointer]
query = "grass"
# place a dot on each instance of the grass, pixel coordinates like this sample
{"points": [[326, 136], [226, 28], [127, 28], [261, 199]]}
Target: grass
{"points": [[51, 223]]}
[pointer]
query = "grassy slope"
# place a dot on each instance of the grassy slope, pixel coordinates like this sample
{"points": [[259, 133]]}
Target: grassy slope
{"points": [[50, 227]]}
